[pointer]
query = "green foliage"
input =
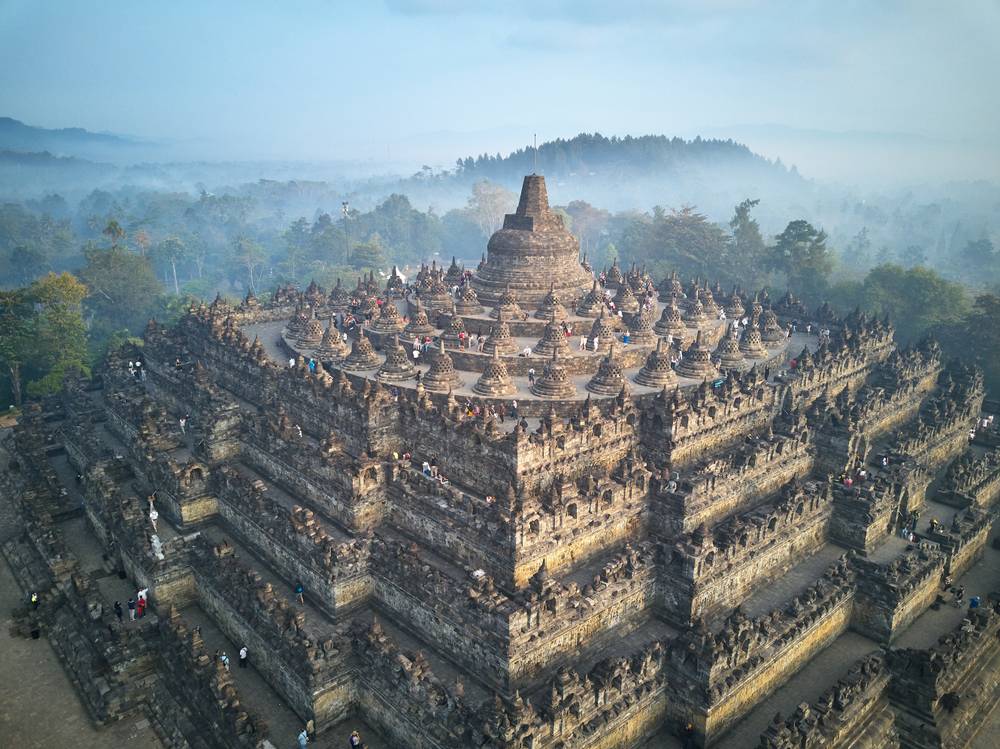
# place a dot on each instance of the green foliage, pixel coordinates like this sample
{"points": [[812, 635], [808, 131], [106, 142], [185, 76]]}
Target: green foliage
{"points": [[749, 249], [915, 299], [31, 245], [368, 255], [683, 240], [488, 205], [460, 235], [15, 338], [123, 288], [42, 334], [405, 234], [60, 335], [589, 224], [248, 255], [981, 336], [171, 253], [801, 254], [978, 260], [588, 153], [296, 246]]}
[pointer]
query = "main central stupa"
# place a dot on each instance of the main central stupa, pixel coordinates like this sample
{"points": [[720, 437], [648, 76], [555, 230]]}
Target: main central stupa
{"points": [[532, 253]]}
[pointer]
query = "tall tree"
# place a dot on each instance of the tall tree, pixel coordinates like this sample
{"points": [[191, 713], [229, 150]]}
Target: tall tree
{"points": [[915, 299], [859, 250], [982, 337], [589, 223], [123, 288], [748, 243], [489, 203], [250, 255], [58, 331], [683, 240], [142, 241], [171, 252], [368, 255], [296, 246], [114, 232], [800, 252], [15, 338], [979, 260]]}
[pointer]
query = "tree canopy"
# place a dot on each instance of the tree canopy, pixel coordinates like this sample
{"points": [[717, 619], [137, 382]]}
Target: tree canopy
{"points": [[42, 334]]}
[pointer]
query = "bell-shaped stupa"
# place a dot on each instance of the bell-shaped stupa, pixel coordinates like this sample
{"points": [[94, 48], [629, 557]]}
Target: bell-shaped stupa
{"points": [[362, 354], [697, 361], [442, 376], [609, 378], [495, 380], [554, 382], [657, 372]]}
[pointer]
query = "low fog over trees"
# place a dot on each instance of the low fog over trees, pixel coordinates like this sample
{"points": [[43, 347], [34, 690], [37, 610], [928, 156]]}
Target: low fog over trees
{"points": [[136, 252]]}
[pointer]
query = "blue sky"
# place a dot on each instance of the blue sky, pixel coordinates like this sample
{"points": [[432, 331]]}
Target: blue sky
{"points": [[314, 79]]}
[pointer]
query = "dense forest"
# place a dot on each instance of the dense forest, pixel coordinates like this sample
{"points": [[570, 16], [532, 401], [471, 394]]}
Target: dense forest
{"points": [[94, 268]]}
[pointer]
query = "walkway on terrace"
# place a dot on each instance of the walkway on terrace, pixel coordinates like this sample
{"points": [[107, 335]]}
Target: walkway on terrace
{"points": [[259, 697], [270, 335], [818, 674], [824, 669], [316, 619], [793, 583], [39, 706], [254, 691]]}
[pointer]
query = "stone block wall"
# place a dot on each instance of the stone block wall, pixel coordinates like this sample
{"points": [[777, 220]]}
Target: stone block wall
{"points": [[972, 480], [555, 618], [853, 713], [203, 686], [891, 596], [334, 572], [738, 667], [298, 662], [944, 694], [725, 485], [706, 574], [678, 428], [964, 540], [591, 444], [467, 618], [864, 514]]}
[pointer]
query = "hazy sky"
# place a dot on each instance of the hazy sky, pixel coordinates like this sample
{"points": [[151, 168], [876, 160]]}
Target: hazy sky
{"points": [[315, 79]]}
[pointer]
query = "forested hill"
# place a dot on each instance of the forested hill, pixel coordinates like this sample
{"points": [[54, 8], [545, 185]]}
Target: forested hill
{"points": [[69, 141], [625, 173], [596, 155]]}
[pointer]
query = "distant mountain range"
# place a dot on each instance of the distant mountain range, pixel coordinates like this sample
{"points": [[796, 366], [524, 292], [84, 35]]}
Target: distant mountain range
{"points": [[71, 141]]}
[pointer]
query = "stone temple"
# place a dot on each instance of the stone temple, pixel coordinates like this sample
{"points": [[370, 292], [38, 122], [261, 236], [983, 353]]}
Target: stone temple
{"points": [[532, 254], [723, 520]]}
